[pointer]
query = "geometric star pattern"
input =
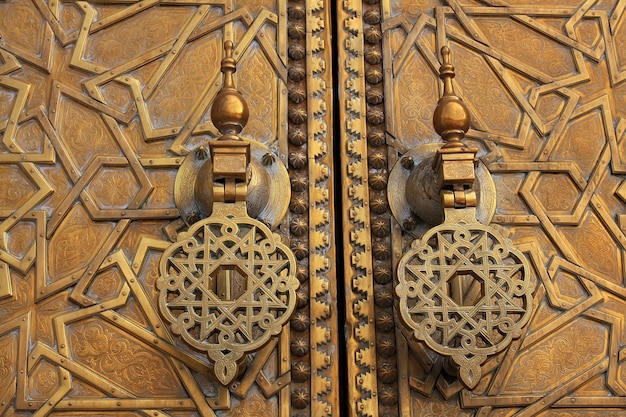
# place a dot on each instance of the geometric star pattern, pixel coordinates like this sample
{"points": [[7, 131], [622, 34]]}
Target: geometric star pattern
{"points": [[99, 104], [226, 286], [466, 292], [545, 86]]}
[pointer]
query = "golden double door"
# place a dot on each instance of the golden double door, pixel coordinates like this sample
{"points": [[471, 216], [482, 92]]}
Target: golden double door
{"points": [[104, 103]]}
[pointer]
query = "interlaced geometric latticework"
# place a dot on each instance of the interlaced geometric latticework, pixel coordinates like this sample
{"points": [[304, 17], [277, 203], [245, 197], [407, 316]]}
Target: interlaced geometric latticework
{"points": [[226, 286], [496, 285]]}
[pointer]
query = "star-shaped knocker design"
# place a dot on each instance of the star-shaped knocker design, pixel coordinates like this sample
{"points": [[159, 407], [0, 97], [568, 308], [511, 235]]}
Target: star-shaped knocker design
{"points": [[226, 286], [466, 292]]}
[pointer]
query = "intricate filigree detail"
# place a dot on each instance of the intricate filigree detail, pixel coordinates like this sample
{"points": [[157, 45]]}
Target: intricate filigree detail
{"points": [[492, 300], [227, 285]]}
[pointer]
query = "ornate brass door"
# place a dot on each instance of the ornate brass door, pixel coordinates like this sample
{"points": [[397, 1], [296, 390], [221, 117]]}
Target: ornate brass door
{"points": [[107, 243]]}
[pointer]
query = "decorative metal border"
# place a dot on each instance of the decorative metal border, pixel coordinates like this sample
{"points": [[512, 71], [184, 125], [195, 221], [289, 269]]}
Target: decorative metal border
{"points": [[358, 271]]}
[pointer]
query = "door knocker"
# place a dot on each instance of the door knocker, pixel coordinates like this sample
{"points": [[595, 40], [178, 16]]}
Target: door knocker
{"points": [[228, 284], [463, 288]]}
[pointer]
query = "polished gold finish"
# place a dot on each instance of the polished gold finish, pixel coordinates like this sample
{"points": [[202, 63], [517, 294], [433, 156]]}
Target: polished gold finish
{"points": [[234, 169], [466, 292], [414, 191], [228, 284], [230, 159], [455, 162], [229, 112], [102, 103], [268, 188], [452, 117]]}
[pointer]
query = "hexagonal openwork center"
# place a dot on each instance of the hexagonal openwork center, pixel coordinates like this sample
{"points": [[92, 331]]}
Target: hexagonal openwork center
{"points": [[466, 288], [228, 282]]}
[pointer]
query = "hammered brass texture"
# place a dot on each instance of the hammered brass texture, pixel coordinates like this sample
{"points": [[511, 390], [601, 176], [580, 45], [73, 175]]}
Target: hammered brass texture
{"points": [[544, 82], [100, 104]]}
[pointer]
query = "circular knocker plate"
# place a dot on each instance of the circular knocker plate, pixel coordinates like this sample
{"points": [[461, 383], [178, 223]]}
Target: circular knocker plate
{"points": [[226, 286], [466, 292]]}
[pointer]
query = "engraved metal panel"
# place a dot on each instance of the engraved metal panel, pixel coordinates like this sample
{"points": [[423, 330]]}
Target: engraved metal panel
{"points": [[544, 81], [100, 103]]}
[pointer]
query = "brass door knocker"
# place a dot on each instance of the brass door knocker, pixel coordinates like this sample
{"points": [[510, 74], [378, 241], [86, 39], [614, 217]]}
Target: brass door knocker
{"points": [[463, 288], [228, 284]]}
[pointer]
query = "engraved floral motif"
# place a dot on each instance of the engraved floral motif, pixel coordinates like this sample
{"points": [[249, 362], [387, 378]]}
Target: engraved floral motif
{"points": [[29, 135], [253, 406], [175, 96], [75, 243], [7, 99], [114, 188], [161, 196], [105, 285], [557, 359], [14, 187], [484, 92], [8, 349], [20, 238], [135, 35], [85, 134], [559, 202], [47, 309], [414, 114], [437, 407], [599, 251], [121, 359], [22, 296], [28, 33], [43, 380], [582, 141], [413, 8], [255, 80], [524, 44]]}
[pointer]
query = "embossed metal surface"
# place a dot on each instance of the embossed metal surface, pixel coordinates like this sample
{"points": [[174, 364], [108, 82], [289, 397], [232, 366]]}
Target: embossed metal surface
{"points": [[399, 192], [466, 292], [226, 286], [268, 188], [544, 81], [100, 103], [463, 289]]}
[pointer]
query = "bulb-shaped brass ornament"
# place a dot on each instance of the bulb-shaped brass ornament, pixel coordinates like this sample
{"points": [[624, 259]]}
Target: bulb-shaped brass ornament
{"points": [[229, 112], [452, 117]]}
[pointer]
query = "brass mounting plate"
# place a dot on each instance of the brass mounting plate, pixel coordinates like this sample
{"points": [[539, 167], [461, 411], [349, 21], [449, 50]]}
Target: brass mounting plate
{"points": [[399, 177], [269, 188]]}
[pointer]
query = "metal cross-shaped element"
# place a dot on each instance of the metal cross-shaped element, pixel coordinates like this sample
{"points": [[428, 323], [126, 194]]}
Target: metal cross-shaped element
{"points": [[228, 284], [464, 289]]}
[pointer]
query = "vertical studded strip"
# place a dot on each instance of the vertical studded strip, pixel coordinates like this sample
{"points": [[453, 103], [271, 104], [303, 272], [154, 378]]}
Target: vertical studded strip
{"points": [[362, 384]]}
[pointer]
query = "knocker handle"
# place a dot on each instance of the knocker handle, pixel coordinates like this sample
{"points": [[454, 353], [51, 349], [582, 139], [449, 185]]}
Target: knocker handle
{"points": [[228, 284], [464, 290]]}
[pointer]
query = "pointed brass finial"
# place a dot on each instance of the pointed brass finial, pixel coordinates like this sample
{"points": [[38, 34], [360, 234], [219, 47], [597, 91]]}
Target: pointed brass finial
{"points": [[229, 112], [452, 117]]}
